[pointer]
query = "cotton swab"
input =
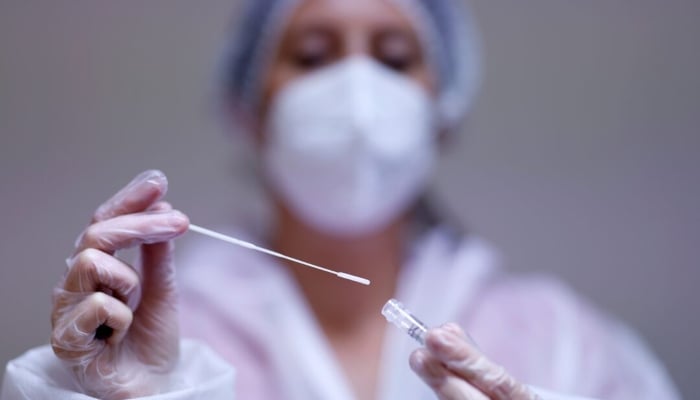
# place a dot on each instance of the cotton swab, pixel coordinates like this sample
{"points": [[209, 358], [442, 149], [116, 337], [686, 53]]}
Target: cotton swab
{"points": [[248, 245]]}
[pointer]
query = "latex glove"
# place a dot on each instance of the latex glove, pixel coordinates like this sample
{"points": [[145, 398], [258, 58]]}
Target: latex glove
{"points": [[115, 326], [456, 370]]}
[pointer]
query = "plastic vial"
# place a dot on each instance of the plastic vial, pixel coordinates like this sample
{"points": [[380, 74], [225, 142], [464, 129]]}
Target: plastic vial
{"points": [[398, 315]]}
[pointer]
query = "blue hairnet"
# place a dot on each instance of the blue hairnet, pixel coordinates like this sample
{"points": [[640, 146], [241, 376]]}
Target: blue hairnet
{"points": [[445, 28]]}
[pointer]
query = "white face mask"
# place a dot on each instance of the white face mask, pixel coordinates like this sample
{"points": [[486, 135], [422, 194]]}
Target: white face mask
{"points": [[351, 146]]}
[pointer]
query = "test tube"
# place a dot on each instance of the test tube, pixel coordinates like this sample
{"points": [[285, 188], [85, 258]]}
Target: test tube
{"points": [[397, 314]]}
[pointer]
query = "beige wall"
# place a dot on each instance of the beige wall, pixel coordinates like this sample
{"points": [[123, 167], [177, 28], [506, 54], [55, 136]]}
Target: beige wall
{"points": [[581, 158]]}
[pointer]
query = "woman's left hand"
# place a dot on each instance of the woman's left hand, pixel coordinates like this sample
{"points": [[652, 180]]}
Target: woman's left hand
{"points": [[456, 370]]}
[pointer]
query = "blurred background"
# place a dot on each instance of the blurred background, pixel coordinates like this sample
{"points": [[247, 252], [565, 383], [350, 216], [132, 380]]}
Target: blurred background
{"points": [[581, 157]]}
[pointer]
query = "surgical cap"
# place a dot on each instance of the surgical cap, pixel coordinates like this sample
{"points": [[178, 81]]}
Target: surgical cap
{"points": [[445, 28]]}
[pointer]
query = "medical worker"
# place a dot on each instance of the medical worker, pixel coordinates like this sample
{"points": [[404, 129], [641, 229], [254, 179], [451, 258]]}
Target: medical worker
{"points": [[349, 104]]}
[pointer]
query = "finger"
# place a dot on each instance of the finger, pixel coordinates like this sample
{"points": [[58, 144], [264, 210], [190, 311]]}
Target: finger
{"points": [[156, 318], [73, 336], [158, 272], [160, 206], [466, 361], [445, 384], [144, 190], [92, 270], [457, 330], [133, 229]]}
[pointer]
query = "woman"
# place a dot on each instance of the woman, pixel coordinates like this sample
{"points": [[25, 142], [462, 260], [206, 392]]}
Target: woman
{"points": [[348, 103]]}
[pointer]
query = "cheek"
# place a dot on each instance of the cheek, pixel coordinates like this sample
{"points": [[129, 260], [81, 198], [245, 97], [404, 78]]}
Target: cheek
{"points": [[277, 79], [274, 83], [426, 79]]}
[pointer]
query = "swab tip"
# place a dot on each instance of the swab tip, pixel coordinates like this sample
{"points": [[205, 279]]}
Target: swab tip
{"points": [[353, 278]]}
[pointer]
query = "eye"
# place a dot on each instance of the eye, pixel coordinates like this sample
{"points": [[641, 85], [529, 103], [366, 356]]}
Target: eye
{"points": [[307, 61], [399, 64], [312, 49], [397, 50]]}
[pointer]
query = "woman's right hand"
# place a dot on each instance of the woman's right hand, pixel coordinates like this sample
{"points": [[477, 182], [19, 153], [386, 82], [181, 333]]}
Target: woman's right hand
{"points": [[114, 325]]}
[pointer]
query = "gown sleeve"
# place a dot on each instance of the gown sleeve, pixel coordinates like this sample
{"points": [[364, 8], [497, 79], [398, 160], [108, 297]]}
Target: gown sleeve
{"points": [[38, 374], [621, 366], [550, 338]]}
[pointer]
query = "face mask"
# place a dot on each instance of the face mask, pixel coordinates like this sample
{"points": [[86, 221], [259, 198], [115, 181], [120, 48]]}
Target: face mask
{"points": [[351, 146]]}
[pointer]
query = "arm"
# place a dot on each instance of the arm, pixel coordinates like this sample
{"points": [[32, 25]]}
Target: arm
{"points": [[115, 332], [617, 366], [39, 375]]}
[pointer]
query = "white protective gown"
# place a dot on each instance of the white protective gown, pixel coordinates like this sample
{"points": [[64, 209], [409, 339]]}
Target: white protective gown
{"points": [[247, 308]]}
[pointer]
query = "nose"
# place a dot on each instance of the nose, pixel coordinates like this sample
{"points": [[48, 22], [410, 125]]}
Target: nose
{"points": [[360, 92], [357, 43]]}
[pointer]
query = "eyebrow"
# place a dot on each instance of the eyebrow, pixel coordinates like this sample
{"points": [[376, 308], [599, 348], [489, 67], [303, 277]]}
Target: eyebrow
{"points": [[401, 32], [318, 27]]}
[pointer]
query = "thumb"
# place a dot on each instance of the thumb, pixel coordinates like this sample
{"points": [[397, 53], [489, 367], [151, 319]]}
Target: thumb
{"points": [[155, 331], [159, 290], [465, 360], [158, 278]]}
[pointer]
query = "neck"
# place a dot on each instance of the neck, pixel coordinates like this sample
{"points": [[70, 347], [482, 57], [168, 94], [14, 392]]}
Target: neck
{"points": [[341, 305]]}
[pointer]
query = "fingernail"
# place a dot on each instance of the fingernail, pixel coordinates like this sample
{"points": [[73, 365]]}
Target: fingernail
{"points": [[172, 219], [156, 177], [428, 369], [151, 176], [442, 341], [445, 339], [457, 330], [452, 327], [179, 219], [417, 361]]}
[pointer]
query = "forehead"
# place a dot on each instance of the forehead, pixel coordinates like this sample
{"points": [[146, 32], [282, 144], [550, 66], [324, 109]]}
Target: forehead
{"points": [[347, 14]]}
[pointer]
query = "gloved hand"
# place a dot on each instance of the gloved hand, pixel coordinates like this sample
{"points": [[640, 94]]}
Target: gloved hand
{"points": [[116, 326], [456, 370]]}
